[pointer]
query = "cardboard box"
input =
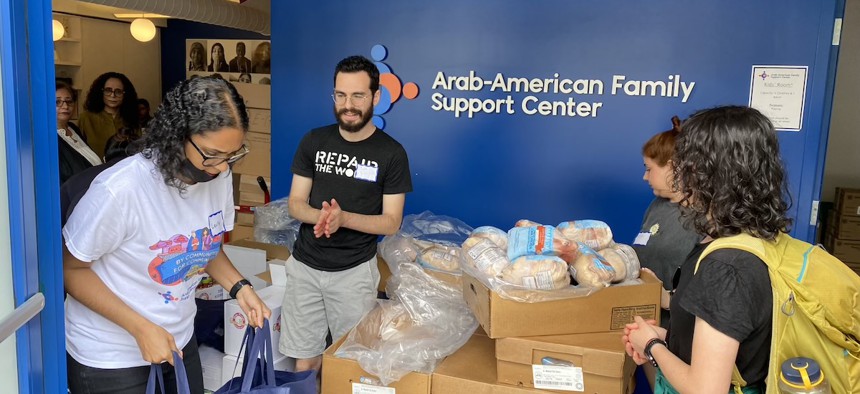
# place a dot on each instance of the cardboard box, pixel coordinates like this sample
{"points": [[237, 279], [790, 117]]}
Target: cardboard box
{"points": [[607, 309], [472, 370], [847, 251], [385, 273], [210, 363], [847, 201], [255, 94], [847, 227], [235, 321], [242, 232], [260, 120], [600, 357], [245, 219], [259, 160], [341, 375]]}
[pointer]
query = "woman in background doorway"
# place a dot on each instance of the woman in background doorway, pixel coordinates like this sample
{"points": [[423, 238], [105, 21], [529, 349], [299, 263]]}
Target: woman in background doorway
{"points": [[111, 104], [217, 61], [74, 153]]}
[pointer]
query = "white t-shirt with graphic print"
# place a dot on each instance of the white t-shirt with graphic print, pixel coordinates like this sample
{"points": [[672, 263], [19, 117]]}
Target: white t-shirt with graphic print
{"points": [[149, 245]]}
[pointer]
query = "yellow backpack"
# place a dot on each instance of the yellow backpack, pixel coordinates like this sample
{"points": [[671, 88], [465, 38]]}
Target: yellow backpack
{"points": [[816, 308]]}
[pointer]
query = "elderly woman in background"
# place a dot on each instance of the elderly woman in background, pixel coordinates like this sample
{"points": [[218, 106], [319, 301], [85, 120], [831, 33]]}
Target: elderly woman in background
{"points": [[74, 153]]}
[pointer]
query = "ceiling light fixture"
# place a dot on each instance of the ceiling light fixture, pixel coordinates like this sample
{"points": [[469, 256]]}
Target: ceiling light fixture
{"points": [[58, 30], [142, 29]]}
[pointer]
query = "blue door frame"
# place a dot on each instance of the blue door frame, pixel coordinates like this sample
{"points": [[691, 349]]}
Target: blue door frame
{"points": [[31, 150], [27, 73]]}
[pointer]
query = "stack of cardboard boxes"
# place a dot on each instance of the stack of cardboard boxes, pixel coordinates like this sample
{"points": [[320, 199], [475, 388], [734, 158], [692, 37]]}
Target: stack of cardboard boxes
{"points": [[842, 234], [558, 346], [246, 189]]}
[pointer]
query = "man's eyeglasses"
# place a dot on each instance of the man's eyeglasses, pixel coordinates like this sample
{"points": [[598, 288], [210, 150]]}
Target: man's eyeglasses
{"points": [[355, 98], [212, 161], [113, 92], [68, 103]]}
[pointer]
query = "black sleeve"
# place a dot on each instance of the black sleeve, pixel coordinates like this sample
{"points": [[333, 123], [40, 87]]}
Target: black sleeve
{"points": [[398, 178], [724, 292], [303, 161]]}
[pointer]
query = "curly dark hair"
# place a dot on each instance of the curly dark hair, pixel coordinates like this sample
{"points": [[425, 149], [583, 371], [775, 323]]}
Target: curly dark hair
{"points": [[95, 102], [195, 106], [354, 64], [729, 170]]}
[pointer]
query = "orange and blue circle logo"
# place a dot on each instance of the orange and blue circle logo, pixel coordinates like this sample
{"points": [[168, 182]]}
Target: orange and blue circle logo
{"points": [[391, 88]]}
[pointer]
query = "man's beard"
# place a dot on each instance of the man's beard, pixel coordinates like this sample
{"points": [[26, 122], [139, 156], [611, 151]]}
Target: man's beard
{"points": [[353, 127]]}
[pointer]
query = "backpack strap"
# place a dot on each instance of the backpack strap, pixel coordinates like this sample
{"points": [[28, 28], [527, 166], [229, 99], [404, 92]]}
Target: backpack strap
{"points": [[747, 243]]}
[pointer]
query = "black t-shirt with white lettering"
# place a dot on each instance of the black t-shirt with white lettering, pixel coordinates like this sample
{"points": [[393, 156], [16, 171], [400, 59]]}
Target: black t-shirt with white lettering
{"points": [[356, 174], [731, 291]]}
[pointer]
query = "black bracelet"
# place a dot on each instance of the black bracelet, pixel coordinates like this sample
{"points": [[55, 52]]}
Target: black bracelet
{"points": [[238, 286], [651, 344]]}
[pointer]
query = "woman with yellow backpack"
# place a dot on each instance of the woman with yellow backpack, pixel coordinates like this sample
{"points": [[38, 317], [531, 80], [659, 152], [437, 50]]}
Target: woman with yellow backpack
{"points": [[727, 167]]}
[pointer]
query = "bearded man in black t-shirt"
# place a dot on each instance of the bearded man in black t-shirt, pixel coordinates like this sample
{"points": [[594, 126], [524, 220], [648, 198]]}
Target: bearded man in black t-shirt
{"points": [[349, 186]]}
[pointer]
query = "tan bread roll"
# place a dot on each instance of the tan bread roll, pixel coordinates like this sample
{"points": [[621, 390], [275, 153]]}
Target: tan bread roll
{"points": [[499, 237], [630, 258], [484, 255], [616, 261], [440, 258], [537, 272], [594, 233], [526, 223], [591, 270]]}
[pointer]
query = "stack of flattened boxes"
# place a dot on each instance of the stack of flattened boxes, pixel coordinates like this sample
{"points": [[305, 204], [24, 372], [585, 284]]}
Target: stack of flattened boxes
{"points": [[842, 236], [258, 163]]}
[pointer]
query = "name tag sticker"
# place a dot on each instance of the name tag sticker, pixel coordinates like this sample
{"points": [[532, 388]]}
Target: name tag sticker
{"points": [[366, 173], [216, 223], [642, 239]]}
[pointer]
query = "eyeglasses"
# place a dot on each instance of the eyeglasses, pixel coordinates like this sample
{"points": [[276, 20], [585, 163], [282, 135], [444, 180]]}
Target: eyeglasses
{"points": [[212, 161], [113, 92], [68, 103], [356, 98]]}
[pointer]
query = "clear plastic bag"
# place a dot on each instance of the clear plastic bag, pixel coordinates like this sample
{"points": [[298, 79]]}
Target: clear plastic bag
{"points": [[432, 241], [425, 321], [274, 225]]}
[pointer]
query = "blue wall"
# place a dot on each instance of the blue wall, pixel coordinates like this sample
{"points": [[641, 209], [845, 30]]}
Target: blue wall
{"points": [[493, 169], [174, 57]]}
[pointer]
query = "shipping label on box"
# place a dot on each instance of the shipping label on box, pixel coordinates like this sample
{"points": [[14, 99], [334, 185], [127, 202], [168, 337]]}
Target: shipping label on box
{"points": [[594, 363], [604, 310], [340, 374]]}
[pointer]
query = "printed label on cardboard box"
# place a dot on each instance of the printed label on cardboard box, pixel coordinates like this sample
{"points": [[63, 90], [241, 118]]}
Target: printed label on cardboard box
{"points": [[359, 388], [624, 315], [558, 377]]}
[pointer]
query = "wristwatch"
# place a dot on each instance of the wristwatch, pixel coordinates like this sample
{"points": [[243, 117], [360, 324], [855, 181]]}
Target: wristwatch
{"points": [[238, 286], [649, 345]]}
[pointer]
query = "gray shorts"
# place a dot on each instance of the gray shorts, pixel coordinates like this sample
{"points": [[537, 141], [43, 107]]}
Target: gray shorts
{"points": [[318, 301]]}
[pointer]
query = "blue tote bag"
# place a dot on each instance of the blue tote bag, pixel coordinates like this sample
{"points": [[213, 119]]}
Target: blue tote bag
{"points": [[258, 372], [155, 373]]}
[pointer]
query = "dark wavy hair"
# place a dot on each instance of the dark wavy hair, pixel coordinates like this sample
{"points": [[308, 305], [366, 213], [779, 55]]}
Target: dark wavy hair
{"points": [[729, 170], [95, 102], [661, 147], [354, 64], [195, 106]]}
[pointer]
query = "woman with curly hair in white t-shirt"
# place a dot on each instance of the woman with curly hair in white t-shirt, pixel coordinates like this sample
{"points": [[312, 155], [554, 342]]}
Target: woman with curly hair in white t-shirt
{"points": [[130, 261]]}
